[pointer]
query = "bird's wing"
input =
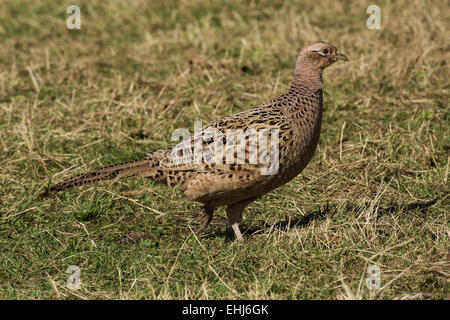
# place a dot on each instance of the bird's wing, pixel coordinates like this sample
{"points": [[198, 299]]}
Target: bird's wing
{"points": [[236, 144]]}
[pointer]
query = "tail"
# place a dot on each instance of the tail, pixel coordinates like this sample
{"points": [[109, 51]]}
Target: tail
{"points": [[141, 168]]}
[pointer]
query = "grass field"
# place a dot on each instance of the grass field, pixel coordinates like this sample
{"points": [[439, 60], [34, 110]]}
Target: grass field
{"points": [[376, 192]]}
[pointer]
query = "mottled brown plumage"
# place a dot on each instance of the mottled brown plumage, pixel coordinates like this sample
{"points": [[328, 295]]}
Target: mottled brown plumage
{"points": [[297, 114]]}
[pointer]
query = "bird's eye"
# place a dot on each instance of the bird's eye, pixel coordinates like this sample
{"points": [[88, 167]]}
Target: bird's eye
{"points": [[325, 51]]}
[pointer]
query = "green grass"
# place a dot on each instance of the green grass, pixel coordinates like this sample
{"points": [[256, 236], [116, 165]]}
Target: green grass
{"points": [[376, 191]]}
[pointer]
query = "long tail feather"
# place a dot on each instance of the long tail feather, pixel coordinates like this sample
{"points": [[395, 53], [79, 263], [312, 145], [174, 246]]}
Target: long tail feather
{"points": [[139, 168]]}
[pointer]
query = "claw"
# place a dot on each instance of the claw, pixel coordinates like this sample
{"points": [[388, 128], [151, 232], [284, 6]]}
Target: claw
{"points": [[207, 217]]}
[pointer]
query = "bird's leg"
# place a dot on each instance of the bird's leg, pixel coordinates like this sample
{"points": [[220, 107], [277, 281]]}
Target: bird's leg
{"points": [[234, 214], [237, 231], [207, 217]]}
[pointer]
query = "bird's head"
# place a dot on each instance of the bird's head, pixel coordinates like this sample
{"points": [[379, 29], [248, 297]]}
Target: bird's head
{"points": [[321, 55]]}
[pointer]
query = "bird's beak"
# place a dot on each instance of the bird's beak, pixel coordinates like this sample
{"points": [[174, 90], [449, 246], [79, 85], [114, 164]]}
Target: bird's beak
{"points": [[341, 56]]}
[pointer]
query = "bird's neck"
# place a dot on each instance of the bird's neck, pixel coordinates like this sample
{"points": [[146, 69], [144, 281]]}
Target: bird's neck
{"points": [[306, 74]]}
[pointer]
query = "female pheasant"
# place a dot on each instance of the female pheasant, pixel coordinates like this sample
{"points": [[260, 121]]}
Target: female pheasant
{"points": [[293, 119]]}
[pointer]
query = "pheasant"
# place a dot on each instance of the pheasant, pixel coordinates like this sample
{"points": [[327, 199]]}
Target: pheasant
{"points": [[247, 167]]}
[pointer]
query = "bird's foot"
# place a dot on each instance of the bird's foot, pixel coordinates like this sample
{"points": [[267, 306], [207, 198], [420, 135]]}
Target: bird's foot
{"points": [[207, 217]]}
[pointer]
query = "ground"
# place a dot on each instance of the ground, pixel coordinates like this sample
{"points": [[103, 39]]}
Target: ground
{"points": [[374, 197]]}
